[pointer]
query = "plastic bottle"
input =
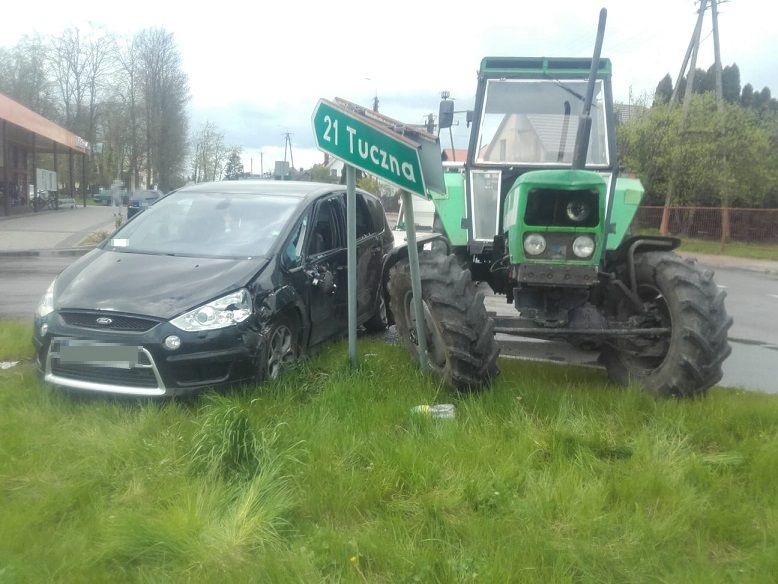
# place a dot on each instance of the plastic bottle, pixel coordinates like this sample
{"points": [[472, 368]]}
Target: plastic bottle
{"points": [[442, 411]]}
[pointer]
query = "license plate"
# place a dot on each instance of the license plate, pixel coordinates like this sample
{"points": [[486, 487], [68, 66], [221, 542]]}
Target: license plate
{"points": [[98, 354]]}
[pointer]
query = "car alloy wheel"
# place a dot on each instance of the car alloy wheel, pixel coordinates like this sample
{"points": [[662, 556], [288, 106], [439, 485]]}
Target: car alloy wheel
{"points": [[280, 351]]}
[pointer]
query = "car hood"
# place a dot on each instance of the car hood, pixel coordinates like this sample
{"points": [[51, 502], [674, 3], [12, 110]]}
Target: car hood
{"points": [[161, 286]]}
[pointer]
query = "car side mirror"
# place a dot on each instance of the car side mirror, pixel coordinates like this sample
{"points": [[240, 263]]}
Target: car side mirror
{"points": [[322, 279]]}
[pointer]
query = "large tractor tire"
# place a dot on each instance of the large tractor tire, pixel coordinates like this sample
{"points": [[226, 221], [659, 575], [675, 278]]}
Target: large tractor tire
{"points": [[676, 294], [460, 335]]}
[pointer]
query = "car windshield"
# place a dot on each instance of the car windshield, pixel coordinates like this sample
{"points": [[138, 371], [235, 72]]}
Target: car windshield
{"points": [[206, 225], [535, 122]]}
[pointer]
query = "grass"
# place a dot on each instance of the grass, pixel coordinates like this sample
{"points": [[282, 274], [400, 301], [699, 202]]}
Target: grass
{"points": [[327, 476], [740, 249]]}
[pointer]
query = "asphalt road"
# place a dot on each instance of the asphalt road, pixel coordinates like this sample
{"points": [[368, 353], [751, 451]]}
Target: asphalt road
{"points": [[752, 301]]}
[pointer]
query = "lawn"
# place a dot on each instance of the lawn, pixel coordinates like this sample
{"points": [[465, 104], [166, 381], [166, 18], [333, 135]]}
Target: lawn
{"points": [[740, 249], [327, 476]]}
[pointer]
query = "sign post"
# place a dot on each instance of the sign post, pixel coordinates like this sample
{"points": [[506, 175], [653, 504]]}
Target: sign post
{"points": [[351, 251], [379, 146]]}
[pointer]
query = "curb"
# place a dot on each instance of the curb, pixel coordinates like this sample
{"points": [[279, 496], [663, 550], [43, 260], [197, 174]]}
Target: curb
{"points": [[732, 263], [25, 253]]}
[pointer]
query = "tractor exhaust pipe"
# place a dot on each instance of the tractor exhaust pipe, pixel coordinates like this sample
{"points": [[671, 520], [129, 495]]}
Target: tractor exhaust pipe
{"points": [[585, 119]]}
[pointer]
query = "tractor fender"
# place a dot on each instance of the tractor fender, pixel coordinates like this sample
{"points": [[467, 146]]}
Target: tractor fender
{"points": [[400, 252], [625, 253]]}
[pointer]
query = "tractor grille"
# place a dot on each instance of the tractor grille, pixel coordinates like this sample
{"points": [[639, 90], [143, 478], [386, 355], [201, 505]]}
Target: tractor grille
{"points": [[549, 208], [88, 320]]}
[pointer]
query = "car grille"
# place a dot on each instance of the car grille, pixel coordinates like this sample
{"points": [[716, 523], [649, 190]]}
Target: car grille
{"points": [[102, 367], [107, 375], [118, 323]]}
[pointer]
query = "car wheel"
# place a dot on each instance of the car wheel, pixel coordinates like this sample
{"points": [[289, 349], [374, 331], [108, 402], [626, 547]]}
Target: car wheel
{"points": [[282, 347]]}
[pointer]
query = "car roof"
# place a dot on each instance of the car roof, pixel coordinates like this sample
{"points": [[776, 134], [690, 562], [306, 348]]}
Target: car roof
{"points": [[294, 189]]}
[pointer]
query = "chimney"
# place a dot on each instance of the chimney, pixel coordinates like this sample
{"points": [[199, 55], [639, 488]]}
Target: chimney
{"points": [[326, 158]]}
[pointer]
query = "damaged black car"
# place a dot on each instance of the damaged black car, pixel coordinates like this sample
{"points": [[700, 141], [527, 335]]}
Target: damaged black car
{"points": [[216, 284]]}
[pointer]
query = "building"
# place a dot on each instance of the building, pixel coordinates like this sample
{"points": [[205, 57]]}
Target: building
{"points": [[24, 136]]}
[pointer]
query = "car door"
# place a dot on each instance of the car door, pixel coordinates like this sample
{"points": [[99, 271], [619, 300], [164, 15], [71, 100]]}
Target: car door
{"points": [[369, 256], [325, 270]]}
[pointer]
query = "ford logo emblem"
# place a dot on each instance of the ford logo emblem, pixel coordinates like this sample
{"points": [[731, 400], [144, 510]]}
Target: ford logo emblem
{"points": [[104, 320]]}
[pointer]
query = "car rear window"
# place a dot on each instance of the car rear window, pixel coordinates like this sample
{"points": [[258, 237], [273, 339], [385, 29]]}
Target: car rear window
{"points": [[207, 225]]}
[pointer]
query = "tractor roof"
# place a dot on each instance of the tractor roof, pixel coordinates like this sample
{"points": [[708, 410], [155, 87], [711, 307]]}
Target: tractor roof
{"points": [[542, 67]]}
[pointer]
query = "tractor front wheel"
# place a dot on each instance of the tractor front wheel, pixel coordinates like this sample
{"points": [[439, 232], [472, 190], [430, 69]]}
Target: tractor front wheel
{"points": [[460, 335], [675, 294]]}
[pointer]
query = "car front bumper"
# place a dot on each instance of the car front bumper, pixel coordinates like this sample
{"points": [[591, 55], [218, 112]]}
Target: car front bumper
{"points": [[137, 363]]}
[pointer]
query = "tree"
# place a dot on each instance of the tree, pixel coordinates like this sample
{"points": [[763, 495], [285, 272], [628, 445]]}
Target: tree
{"points": [[718, 154], [730, 83], [24, 77], [747, 96], [165, 93], [320, 173], [234, 168], [664, 90], [370, 184], [209, 153]]}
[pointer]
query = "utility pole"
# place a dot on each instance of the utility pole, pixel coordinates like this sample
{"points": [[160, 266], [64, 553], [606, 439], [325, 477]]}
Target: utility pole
{"points": [[691, 52], [720, 109], [288, 142]]}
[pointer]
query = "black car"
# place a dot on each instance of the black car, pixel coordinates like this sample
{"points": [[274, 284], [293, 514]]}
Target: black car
{"points": [[142, 200], [216, 284]]}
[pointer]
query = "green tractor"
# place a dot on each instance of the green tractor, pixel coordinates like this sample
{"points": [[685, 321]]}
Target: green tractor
{"points": [[538, 211]]}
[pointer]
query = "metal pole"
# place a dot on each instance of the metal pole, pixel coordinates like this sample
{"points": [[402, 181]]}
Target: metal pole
{"points": [[6, 159], [413, 259], [83, 177], [351, 219]]}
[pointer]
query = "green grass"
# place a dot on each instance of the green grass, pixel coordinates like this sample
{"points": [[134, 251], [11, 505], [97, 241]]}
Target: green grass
{"points": [[327, 476], [15, 340], [739, 249]]}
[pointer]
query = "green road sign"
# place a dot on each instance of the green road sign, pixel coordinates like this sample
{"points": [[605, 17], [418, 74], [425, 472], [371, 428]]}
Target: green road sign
{"points": [[367, 145]]}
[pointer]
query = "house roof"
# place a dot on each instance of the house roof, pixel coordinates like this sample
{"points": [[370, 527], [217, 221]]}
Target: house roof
{"points": [[27, 122]]}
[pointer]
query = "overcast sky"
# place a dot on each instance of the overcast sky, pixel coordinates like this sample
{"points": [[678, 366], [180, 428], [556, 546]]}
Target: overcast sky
{"points": [[256, 69]]}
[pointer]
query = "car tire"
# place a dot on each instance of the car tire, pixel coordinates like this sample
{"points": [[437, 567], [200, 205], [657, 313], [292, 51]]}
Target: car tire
{"points": [[282, 347]]}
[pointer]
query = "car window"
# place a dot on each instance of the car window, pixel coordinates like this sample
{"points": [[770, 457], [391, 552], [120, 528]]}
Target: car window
{"points": [[376, 213], [364, 223], [293, 253], [207, 225], [324, 233]]}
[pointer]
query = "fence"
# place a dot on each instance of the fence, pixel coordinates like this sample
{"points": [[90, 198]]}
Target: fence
{"points": [[749, 225]]}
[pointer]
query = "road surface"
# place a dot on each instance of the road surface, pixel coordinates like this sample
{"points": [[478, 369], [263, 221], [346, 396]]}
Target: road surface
{"points": [[752, 301]]}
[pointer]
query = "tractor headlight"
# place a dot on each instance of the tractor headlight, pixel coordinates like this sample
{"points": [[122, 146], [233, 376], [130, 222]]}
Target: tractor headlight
{"points": [[534, 244], [583, 246], [578, 211]]}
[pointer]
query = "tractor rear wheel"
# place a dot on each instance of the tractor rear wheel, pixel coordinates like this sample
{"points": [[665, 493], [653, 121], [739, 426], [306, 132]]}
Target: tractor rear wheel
{"points": [[460, 335], [679, 295]]}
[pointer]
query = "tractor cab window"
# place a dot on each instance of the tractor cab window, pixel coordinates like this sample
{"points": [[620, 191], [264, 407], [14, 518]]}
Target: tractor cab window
{"points": [[533, 122]]}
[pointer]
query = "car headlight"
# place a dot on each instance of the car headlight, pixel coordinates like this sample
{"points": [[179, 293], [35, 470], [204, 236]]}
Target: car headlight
{"points": [[583, 246], [534, 244], [46, 305], [222, 312], [578, 211]]}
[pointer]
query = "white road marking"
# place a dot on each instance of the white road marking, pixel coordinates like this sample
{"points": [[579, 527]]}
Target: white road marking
{"points": [[720, 286], [773, 295]]}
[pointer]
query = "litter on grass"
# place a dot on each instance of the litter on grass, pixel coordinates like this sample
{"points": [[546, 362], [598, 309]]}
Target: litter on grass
{"points": [[8, 364]]}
